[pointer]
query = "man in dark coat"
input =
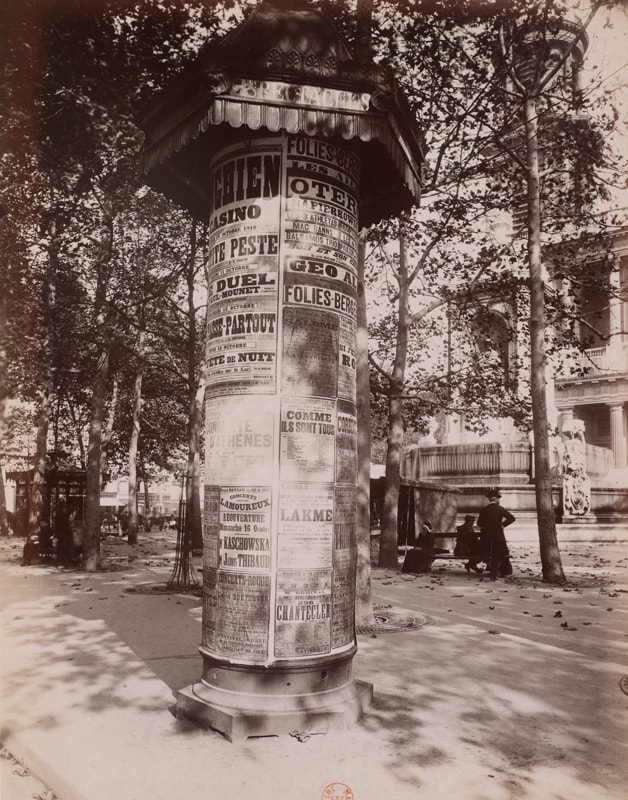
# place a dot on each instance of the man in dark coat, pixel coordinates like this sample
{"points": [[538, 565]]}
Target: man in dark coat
{"points": [[492, 520]]}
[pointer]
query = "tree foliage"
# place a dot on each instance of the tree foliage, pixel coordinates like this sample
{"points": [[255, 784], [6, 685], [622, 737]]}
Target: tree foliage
{"points": [[92, 255], [459, 69]]}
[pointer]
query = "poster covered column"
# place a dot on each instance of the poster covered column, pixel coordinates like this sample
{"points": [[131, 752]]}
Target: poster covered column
{"points": [[280, 472]]}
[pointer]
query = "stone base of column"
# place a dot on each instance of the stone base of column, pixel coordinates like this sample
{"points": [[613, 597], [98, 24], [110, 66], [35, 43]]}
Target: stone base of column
{"points": [[242, 702]]}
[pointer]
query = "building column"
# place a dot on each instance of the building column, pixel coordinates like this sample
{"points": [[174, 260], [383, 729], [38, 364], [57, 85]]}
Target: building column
{"points": [[614, 348], [618, 435], [615, 307]]}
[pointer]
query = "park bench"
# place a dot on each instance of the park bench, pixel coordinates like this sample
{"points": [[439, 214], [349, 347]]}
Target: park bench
{"points": [[439, 545], [443, 545]]}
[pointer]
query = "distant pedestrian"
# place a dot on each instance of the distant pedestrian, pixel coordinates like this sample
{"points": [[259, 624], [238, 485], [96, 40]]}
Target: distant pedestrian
{"points": [[492, 520], [170, 524], [123, 522], [468, 544], [30, 552]]}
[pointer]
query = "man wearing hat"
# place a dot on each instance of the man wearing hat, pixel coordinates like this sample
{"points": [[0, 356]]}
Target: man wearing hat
{"points": [[492, 520]]}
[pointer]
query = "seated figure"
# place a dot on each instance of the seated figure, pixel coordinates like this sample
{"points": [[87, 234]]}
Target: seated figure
{"points": [[468, 544], [419, 559]]}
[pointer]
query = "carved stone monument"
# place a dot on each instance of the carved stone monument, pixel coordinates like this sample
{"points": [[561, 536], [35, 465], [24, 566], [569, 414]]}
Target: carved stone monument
{"points": [[286, 147], [576, 483]]}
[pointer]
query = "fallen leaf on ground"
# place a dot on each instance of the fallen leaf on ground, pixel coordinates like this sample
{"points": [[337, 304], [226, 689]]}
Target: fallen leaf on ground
{"points": [[22, 772], [47, 794]]}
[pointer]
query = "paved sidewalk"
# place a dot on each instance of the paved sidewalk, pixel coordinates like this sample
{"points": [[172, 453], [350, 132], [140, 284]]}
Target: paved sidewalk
{"points": [[513, 691]]}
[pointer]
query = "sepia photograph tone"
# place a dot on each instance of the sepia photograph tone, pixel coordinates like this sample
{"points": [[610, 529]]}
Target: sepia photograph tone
{"points": [[314, 399]]}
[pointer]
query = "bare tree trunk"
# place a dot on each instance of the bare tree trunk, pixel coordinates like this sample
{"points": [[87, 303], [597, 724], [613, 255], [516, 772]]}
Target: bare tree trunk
{"points": [[108, 426], [388, 556], [4, 523], [363, 602], [91, 533], [79, 434], [193, 493], [388, 545], [35, 504], [39, 465], [548, 542], [133, 443], [363, 598], [196, 393]]}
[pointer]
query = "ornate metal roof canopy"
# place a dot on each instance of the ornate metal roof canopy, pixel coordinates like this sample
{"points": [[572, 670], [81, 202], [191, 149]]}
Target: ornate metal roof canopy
{"points": [[283, 69]]}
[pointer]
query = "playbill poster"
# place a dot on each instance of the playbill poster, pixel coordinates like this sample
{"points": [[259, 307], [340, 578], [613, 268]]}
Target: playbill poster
{"points": [[236, 567], [280, 419]]}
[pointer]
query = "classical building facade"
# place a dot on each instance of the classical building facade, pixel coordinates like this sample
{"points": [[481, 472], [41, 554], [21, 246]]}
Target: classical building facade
{"points": [[587, 393], [587, 405], [600, 397]]}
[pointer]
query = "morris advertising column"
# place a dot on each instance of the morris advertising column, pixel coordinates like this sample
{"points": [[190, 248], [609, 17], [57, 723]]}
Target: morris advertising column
{"points": [[280, 492], [283, 206]]}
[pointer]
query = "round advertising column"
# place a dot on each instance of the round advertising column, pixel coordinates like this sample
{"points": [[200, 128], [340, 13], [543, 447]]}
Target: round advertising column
{"points": [[281, 438]]}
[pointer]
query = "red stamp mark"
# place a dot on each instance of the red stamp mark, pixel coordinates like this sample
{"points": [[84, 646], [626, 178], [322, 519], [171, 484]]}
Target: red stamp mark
{"points": [[337, 791]]}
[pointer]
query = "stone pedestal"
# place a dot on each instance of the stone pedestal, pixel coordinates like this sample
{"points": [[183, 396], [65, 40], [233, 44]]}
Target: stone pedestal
{"points": [[295, 698]]}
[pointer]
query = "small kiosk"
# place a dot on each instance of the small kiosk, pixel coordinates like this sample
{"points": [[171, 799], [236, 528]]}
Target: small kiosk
{"points": [[61, 482]]}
